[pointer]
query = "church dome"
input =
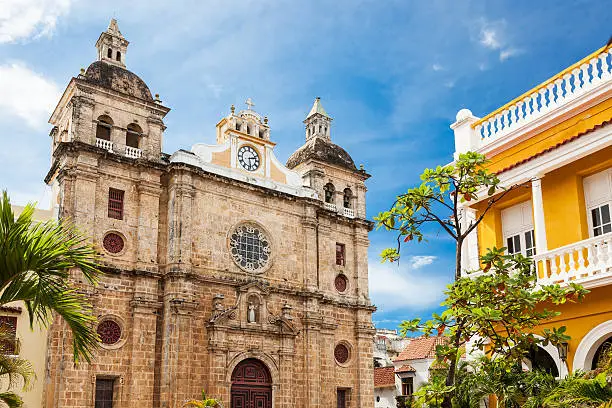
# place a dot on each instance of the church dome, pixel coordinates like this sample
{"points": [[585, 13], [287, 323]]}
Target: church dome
{"points": [[118, 79], [322, 150]]}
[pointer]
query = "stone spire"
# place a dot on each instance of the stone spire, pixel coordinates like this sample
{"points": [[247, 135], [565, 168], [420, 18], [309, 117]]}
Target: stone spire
{"points": [[318, 122], [112, 46]]}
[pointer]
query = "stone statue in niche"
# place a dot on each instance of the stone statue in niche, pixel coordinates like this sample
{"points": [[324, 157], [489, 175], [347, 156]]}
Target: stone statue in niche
{"points": [[251, 314]]}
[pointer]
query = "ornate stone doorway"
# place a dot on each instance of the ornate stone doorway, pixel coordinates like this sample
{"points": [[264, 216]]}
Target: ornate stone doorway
{"points": [[251, 385]]}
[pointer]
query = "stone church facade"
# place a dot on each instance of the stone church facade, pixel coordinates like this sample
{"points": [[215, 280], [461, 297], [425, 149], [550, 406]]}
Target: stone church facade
{"points": [[225, 270]]}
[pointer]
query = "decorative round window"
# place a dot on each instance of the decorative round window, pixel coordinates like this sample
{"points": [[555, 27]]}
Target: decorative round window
{"points": [[113, 243], [341, 283], [250, 248], [109, 332], [341, 353]]}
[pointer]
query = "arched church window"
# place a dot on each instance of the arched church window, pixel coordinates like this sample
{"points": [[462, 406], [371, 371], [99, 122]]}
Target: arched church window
{"points": [[103, 129], [118, 55], [132, 135], [348, 196], [248, 130], [599, 359], [109, 53], [329, 193], [237, 125], [261, 134]]}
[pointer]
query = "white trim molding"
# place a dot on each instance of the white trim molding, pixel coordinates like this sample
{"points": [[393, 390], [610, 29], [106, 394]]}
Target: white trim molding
{"points": [[583, 358]]}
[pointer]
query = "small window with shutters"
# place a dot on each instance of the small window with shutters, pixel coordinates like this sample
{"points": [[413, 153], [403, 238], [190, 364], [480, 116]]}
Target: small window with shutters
{"points": [[9, 327], [104, 392], [115, 203], [598, 200], [340, 254], [517, 227]]}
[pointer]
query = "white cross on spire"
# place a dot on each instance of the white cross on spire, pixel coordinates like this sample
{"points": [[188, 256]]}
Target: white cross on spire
{"points": [[249, 103]]}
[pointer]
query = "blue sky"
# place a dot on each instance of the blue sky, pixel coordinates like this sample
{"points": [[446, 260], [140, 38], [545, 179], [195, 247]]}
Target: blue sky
{"points": [[393, 74]]}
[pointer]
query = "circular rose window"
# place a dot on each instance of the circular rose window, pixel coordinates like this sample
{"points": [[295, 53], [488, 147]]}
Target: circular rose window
{"points": [[109, 332], [341, 283], [113, 243], [250, 248], [341, 353]]}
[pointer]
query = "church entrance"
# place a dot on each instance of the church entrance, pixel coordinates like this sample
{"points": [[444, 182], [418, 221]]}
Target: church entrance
{"points": [[251, 385]]}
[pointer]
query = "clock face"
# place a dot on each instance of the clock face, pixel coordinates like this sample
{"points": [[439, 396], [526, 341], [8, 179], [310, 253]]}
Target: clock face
{"points": [[248, 158]]}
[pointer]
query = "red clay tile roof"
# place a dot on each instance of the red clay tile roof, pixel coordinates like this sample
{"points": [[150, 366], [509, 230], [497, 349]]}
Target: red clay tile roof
{"points": [[421, 347], [406, 368], [384, 377]]}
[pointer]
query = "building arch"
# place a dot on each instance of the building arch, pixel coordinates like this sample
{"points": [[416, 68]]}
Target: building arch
{"points": [[583, 357], [133, 134], [251, 384], [329, 190], [553, 352], [269, 362], [104, 127]]}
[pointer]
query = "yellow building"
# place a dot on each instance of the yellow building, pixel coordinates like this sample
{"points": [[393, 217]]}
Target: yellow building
{"points": [[33, 343], [556, 141]]}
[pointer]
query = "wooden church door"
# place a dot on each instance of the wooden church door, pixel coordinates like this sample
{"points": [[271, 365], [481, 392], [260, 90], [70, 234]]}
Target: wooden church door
{"points": [[251, 385]]}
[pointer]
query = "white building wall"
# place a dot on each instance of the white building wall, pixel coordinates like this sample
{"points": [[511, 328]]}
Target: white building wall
{"points": [[385, 397]]}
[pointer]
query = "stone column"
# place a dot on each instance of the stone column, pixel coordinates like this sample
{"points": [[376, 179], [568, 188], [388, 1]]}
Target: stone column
{"points": [[181, 194], [148, 225], [538, 215], [82, 126], [361, 243], [312, 353], [364, 333], [310, 265], [142, 358]]}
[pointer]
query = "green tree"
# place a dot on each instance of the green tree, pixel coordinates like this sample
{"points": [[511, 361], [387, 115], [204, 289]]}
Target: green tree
{"points": [[36, 260], [500, 305]]}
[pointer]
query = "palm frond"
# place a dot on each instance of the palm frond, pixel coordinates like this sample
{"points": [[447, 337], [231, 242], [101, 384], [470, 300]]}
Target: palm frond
{"points": [[11, 400], [36, 260]]}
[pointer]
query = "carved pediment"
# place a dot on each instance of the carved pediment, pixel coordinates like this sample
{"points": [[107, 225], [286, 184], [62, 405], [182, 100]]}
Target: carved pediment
{"points": [[255, 286]]}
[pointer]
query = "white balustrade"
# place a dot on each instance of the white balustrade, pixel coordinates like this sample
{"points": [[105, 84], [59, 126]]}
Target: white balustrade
{"points": [[584, 262], [133, 152], [348, 212], [562, 88], [105, 144], [330, 206]]}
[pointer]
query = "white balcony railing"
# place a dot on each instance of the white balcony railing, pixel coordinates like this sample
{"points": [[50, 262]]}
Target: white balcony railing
{"points": [[133, 152], [592, 72], [587, 262], [105, 144], [348, 212], [330, 206]]}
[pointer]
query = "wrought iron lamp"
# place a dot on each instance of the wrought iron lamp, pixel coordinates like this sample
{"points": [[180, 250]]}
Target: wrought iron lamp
{"points": [[563, 348]]}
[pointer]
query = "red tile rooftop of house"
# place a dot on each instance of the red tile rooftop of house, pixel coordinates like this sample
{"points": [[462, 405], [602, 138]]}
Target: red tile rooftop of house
{"points": [[384, 377], [421, 347]]}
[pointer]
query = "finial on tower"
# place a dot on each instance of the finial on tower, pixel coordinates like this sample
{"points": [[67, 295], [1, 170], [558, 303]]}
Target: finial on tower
{"points": [[249, 103], [318, 122], [112, 46]]}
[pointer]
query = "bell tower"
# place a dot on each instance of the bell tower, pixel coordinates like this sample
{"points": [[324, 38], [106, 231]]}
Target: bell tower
{"points": [[112, 46], [318, 122]]}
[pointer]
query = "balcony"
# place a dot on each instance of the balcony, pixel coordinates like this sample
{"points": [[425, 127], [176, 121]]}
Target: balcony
{"points": [[348, 212], [587, 81], [105, 144], [330, 206], [592, 72], [133, 152], [588, 262]]}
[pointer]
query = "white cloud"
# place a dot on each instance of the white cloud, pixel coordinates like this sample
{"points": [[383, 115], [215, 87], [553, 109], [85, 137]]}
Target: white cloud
{"points": [[394, 287], [437, 67], [493, 35], [420, 261], [508, 53], [24, 19], [489, 38], [26, 95]]}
